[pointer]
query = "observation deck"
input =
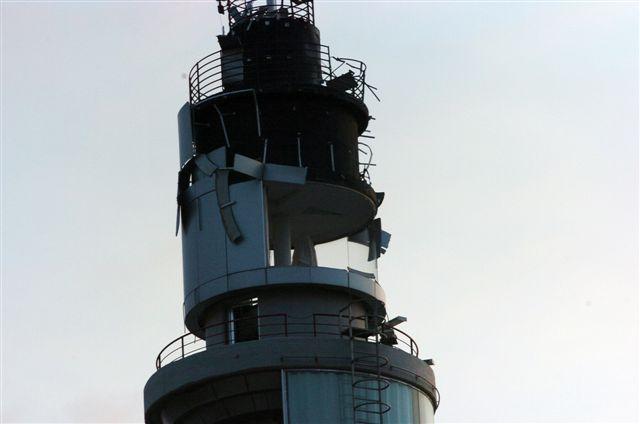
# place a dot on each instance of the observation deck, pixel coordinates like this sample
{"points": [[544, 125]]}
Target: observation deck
{"points": [[268, 68]]}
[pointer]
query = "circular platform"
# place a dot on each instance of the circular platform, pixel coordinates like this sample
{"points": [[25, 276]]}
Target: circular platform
{"points": [[322, 212]]}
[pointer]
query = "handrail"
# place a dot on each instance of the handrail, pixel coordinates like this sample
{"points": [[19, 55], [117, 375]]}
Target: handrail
{"points": [[268, 66], [277, 325]]}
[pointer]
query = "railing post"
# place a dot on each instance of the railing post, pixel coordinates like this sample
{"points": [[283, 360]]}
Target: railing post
{"points": [[286, 326], [264, 152], [333, 160], [363, 82], [198, 79], [256, 66], [182, 346], [314, 325]]}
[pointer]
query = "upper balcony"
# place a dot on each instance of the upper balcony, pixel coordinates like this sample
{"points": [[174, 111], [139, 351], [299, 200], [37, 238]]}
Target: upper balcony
{"points": [[280, 67]]}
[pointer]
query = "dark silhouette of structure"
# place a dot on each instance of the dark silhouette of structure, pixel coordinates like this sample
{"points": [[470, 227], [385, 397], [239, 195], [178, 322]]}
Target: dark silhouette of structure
{"points": [[280, 241]]}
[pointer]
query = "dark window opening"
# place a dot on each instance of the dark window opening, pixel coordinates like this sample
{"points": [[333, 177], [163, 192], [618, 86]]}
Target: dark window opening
{"points": [[243, 321]]}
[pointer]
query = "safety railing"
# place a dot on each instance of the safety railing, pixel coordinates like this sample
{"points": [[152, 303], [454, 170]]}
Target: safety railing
{"points": [[244, 10], [355, 74], [269, 66], [278, 326]]}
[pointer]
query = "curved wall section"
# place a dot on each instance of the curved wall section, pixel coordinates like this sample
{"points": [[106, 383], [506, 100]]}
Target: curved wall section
{"points": [[226, 247], [188, 381], [331, 400], [210, 292], [208, 253]]}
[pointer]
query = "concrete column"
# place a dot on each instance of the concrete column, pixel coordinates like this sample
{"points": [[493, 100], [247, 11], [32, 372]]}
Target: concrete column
{"points": [[304, 252]]}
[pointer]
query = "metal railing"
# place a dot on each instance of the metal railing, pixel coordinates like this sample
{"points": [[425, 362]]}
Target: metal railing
{"points": [[269, 66], [243, 10], [280, 325], [357, 70]]}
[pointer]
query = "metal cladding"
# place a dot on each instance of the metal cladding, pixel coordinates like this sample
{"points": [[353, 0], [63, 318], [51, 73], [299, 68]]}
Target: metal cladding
{"points": [[280, 240]]}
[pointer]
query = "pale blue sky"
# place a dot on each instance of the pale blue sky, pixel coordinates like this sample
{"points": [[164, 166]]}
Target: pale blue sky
{"points": [[507, 144]]}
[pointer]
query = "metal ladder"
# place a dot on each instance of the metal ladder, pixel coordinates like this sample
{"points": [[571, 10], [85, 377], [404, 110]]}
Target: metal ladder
{"points": [[367, 383]]}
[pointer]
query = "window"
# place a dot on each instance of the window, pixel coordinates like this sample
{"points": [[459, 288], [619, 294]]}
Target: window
{"points": [[243, 321]]}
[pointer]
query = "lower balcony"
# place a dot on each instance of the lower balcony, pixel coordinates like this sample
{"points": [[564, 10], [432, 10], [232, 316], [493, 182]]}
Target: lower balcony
{"points": [[246, 325], [301, 380]]}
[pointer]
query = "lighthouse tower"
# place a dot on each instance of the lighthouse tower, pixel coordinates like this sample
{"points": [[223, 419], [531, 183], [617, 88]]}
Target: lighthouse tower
{"points": [[286, 317]]}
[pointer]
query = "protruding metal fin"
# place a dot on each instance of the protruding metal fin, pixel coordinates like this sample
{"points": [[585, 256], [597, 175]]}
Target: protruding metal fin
{"points": [[375, 231], [206, 165], [385, 238], [218, 156], [185, 134], [178, 219], [248, 166], [374, 237], [364, 274], [225, 203], [184, 176], [284, 173]]}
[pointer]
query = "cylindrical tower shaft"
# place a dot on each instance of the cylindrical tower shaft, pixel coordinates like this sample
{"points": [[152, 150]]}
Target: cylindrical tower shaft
{"points": [[286, 317]]}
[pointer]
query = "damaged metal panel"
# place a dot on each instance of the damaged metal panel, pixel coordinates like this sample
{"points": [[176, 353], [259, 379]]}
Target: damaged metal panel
{"points": [[185, 134], [184, 178], [284, 173], [385, 238], [218, 156], [248, 166], [212, 252], [225, 203], [208, 251], [373, 236], [206, 165], [248, 209]]}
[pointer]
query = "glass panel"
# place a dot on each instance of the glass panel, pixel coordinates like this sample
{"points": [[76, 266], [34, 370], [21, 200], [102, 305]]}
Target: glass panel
{"points": [[319, 397], [426, 409], [333, 254], [344, 254], [244, 321], [358, 255], [399, 397], [366, 406], [323, 397]]}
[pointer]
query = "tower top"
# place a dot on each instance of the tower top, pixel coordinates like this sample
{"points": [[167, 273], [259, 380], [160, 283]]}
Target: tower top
{"points": [[240, 11]]}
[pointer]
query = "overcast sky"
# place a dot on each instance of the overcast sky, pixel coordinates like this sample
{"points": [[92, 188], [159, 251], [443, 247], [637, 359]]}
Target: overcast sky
{"points": [[507, 145]]}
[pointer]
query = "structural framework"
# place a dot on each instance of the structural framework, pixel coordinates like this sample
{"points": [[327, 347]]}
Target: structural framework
{"points": [[286, 317]]}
